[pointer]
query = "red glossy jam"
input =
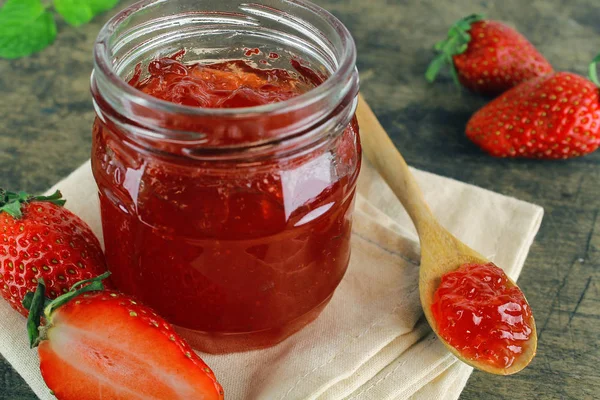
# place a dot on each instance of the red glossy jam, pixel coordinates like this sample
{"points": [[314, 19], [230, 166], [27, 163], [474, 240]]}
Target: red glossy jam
{"points": [[244, 256], [481, 314], [229, 84]]}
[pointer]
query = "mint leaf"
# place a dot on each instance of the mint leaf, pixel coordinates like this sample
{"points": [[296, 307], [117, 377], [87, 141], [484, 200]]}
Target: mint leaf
{"points": [[78, 12], [19, 10], [25, 28]]}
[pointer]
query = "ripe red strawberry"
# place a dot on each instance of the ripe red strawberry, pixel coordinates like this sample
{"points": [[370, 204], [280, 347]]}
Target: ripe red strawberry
{"points": [[41, 239], [551, 117], [100, 344], [487, 57]]}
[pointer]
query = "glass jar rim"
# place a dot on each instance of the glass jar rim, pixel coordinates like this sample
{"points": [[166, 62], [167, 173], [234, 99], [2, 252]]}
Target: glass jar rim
{"points": [[344, 70]]}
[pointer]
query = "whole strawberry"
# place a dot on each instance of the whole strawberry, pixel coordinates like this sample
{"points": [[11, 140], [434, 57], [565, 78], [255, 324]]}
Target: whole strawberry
{"points": [[100, 344], [552, 117], [487, 57], [41, 239]]}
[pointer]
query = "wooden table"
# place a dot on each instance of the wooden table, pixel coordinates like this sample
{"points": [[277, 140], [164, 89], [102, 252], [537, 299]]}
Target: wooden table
{"points": [[46, 114]]}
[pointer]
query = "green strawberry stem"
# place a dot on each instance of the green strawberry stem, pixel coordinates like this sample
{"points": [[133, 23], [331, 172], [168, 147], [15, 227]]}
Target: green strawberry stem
{"points": [[38, 304], [456, 43], [593, 71], [10, 202], [93, 284]]}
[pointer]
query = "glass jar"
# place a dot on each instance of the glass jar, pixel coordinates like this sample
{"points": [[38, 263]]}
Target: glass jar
{"points": [[234, 224]]}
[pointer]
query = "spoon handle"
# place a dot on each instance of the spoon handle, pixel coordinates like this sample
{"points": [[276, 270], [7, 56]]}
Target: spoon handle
{"points": [[387, 160]]}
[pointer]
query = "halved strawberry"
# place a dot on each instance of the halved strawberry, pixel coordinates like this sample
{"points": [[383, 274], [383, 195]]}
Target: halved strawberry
{"points": [[101, 344]]}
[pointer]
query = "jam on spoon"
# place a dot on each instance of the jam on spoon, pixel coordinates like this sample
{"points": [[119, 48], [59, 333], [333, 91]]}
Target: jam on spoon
{"points": [[482, 314], [441, 252]]}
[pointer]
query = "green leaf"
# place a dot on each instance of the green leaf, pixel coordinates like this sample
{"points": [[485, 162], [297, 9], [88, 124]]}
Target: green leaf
{"points": [[28, 300], [26, 27], [593, 72], [12, 209], [457, 42], [78, 12], [19, 10], [35, 314], [10, 202], [434, 67], [55, 198]]}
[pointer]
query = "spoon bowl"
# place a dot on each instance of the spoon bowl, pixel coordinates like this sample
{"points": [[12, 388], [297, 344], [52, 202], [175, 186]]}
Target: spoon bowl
{"points": [[441, 252]]}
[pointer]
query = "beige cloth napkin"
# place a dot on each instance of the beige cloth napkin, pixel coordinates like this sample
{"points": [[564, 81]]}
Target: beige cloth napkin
{"points": [[371, 342]]}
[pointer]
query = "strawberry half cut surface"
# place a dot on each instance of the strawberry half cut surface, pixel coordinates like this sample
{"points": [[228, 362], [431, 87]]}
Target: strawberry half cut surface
{"points": [[101, 344], [39, 238]]}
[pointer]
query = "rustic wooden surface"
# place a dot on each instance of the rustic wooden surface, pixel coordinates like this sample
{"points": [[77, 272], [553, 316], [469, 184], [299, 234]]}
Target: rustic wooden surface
{"points": [[46, 113]]}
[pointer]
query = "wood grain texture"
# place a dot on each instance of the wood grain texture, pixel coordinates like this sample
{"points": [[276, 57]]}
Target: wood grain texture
{"points": [[46, 114]]}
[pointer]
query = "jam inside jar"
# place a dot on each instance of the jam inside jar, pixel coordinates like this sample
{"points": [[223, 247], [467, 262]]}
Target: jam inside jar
{"points": [[226, 164]]}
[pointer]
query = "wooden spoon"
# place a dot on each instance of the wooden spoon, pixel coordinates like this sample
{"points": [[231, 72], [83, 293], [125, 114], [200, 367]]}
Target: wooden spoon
{"points": [[441, 252]]}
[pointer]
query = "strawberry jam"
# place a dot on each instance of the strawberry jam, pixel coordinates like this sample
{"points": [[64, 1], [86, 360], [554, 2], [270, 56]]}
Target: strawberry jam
{"points": [[238, 255], [229, 84], [482, 314]]}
